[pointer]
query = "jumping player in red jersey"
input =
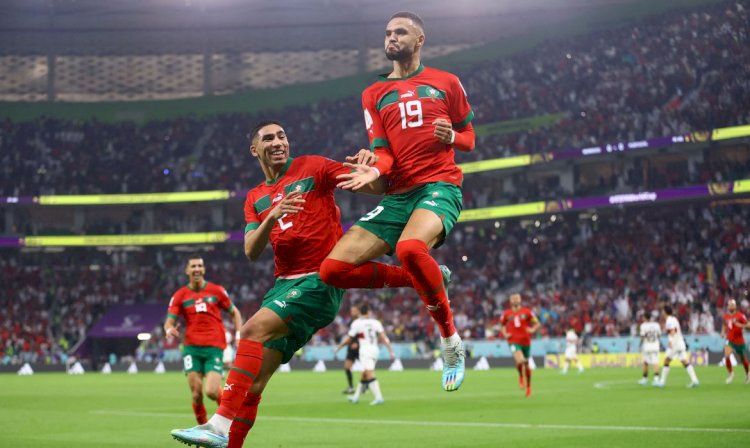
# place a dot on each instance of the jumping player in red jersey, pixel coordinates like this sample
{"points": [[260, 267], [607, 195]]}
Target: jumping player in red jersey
{"points": [[518, 324], [734, 322], [415, 117], [200, 304], [294, 209]]}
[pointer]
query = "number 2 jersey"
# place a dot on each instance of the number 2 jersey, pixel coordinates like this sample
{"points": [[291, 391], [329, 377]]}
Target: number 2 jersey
{"points": [[517, 324], [300, 241], [201, 310], [734, 324], [399, 115]]}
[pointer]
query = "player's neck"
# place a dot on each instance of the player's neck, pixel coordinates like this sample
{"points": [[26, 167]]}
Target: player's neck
{"points": [[197, 285], [405, 68]]}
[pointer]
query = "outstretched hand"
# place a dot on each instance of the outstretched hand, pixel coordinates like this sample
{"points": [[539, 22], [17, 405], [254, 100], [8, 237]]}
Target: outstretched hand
{"points": [[360, 176], [173, 332], [363, 157], [291, 204]]}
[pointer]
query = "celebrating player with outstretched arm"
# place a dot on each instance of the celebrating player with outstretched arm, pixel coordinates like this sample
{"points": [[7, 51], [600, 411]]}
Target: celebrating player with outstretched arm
{"points": [[518, 324], [200, 303], [415, 117], [294, 210], [734, 322]]}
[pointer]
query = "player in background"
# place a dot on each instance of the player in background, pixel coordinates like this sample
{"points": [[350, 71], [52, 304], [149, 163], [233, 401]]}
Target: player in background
{"points": [[571, 351], [517, 325], [734, 322], [294, 210], [369, 332], [650, 332], [676, 349], [415, 117], [352, 354], [200, 304], [228, 354]]}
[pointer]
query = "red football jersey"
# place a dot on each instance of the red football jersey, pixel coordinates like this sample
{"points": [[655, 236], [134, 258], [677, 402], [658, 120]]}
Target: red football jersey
{"points": [[302, 241], [398, 115], [517, 324], [734, 324], [202, 312]]}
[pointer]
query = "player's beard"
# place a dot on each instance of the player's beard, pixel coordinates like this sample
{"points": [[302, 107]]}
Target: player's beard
{"points": [[403, 54]]}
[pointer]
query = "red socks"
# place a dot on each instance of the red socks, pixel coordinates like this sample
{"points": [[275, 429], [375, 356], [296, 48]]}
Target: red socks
{"points": [[428, 282], [200, 412], [244, 420], [528, 374], [367, 275], [246, 367], [728, 363], [747, 365]]}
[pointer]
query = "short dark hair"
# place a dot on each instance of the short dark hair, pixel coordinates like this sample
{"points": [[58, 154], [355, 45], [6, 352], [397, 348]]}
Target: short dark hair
{"points": [[363, 308], [193, 256], [254, 131], [668, 309], [409, 15]]}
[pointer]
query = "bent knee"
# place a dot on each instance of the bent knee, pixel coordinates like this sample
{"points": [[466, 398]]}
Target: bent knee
{"points": [[332, 271]]}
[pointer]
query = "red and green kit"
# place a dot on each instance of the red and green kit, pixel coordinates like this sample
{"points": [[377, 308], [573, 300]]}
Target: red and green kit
{"points": [[201, 310]]}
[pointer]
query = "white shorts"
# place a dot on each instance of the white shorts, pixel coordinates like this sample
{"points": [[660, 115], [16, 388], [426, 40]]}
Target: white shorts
{"points": [[651, 357], [368, 359], [228, 354], [679, 353], [571, 353]]}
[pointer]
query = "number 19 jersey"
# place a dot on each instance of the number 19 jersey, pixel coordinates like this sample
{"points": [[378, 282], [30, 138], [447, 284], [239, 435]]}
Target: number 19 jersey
{"points": [[517, 324], [399, 115], [300, 241]]}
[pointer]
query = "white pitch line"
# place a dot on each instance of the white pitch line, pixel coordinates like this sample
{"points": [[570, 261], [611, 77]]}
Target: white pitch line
{"points": [[444, 424], [603, 385]]}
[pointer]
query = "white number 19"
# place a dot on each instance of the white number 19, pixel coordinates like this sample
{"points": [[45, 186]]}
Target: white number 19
{"points": [[411, 108]]}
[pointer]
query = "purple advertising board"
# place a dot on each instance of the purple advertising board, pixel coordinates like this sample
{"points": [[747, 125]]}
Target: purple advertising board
{"points": [[128, 320]]}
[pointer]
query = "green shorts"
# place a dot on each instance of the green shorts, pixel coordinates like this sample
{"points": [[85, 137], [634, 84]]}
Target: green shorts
{"points": [[525, 349], [202, 359], [740, 349], [388, 219], [306, 304]]}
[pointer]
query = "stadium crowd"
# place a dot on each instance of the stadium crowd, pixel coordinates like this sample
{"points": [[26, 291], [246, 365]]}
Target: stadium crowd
{"points": [[601, 276], [671, 74]]}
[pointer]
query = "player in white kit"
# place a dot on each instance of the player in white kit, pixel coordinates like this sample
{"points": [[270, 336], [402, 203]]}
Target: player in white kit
{"points": [[676, 349], [369, 332], [571, 351], [650, 332]]}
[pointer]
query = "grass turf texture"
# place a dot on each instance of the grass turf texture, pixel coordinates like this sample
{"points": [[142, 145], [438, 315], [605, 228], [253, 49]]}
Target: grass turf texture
{"points": [[603, 407]]}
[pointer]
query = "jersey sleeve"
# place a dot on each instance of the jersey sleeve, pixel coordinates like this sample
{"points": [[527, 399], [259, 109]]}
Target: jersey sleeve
{"points": [[742, 319], [174, 308], [643, 330], [504, 318], [331, 169], [225, 302], [379, 327], [375, 131], [532, 318], [252, 219], [458, 104], [353, 330]]}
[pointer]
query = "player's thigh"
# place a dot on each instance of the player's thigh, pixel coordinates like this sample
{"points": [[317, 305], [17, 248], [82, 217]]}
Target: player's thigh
{"points": [[213, 383], [265, 325], [518, 356], [271, 362], [359, 245], [195, 383], [424, 225], [728, 349]]}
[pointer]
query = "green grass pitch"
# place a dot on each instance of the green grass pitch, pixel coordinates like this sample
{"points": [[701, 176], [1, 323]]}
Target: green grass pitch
{"points": [[601, 408]]}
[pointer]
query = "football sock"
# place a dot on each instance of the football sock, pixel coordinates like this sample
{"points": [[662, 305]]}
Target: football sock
{"points": [[580, 366], [565, 367], [200, 412], [428, 282], [246, 367], [363, 384], [349, 378], [664, 373], [746, 365], [728, 363], [244, 420], [691, 373], [528, 375], [367, 275], [519, 367], [375, 388]]}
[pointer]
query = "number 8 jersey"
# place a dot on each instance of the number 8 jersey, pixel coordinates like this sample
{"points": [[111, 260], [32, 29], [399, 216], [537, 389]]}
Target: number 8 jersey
{"points": [[301, 241], [399, 115]]}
